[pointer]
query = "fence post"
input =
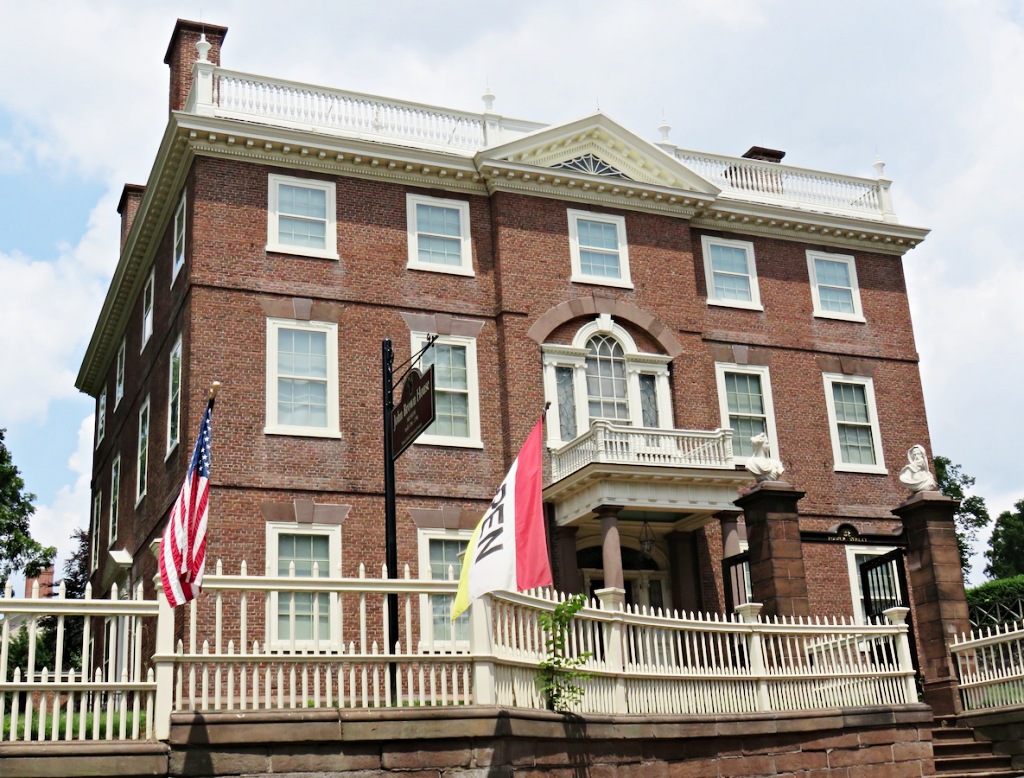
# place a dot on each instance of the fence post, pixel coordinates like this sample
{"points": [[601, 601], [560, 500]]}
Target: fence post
{"points": [[750, 612], [898, 617], [163, 662], [613, 600], [482, 649]]}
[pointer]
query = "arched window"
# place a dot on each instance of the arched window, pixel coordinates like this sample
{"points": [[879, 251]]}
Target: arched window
{"points": [[603, 375]]}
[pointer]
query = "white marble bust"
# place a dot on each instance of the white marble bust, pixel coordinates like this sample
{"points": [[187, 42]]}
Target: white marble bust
{"points": [[761, 463], [915, 475]]}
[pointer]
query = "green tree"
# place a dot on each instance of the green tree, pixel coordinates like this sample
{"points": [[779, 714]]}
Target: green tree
{"points": [[1005, 554], [972, 514], [18, 551]]}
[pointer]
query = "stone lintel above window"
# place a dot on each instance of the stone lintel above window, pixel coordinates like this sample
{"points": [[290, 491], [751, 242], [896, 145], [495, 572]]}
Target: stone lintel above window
{"points": [[301, 309], [304, 512], [443, 324], [445, 517], [740, 355], [846, 365]]}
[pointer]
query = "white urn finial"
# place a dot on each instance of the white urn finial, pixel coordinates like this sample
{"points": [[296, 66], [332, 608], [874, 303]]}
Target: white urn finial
{"points": [[488, 98], [664, 128], [879, 166], [203, 46]]}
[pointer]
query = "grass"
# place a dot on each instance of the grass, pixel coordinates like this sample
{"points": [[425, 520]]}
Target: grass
{"points": [[75, 722]]}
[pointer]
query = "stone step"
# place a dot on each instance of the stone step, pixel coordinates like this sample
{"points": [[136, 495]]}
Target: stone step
{"points": [[974, 765]]}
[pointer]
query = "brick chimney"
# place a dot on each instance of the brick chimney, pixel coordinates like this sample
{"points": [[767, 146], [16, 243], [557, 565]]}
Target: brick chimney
{"points": [[45, 579], [128, 206], [181, 56]]}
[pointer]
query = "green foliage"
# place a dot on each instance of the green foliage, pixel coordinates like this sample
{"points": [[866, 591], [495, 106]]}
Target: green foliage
{"points": [[972, 514], [996, 602], [1006, 549], [558, 677], [5, 725], [18, 551]]}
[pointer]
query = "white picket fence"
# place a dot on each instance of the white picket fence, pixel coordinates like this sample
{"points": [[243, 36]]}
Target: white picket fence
{"points": [[990, 664], [288, 642]]}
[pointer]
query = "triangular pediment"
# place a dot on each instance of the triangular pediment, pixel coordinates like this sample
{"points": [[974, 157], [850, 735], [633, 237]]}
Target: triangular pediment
{"points": [[596, 145]]}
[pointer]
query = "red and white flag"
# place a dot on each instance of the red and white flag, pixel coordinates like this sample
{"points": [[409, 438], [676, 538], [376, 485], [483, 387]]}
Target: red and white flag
{"points": [[183, 548], [508, 550]]}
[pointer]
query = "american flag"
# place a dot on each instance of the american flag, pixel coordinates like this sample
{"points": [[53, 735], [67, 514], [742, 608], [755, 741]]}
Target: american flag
{"points": [[183, 549]]}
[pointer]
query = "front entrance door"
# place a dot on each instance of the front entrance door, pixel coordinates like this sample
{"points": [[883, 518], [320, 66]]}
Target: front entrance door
{"points": [[644, 582]]}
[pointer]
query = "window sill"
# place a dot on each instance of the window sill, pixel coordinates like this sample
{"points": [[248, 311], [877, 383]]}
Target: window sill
{"points": [[301, 432], [618, 283], [854, 317], [171, 450], [448, 270], [736, 304], [437, 440], [139, 499], [868, 469], [302, 252], [175, 272]]}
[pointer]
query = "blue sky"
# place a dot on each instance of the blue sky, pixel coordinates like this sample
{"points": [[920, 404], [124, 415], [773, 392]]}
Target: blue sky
{"points": [[931, 86]]}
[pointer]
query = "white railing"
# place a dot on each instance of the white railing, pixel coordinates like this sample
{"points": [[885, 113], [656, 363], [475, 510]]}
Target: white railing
{"points": [[647, 662], [607, 443], [809, 189], [78, 696], [990, 664], [334, 111]]}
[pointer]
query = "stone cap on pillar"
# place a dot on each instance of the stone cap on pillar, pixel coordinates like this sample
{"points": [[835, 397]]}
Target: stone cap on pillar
{"points": [[769, 490], [935, 503]]}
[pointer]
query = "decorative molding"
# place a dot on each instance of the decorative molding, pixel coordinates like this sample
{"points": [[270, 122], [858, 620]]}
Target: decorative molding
{"points": [[445, 517], [845, 365], [443, 324], [304, 512]]}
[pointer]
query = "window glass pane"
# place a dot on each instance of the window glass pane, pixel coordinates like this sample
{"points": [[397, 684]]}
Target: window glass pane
{"points": [[728, 259], [747, 417], [836, 300], [649, 400], [732, 287], [730, 272], [444, 554], [600, 264], [300, 201], [597, 234], [566, 389], [851, 403], [599, 248], [440, 251], [298, 608], [302, 232], [606, 379], [438, 220], [451, 380], [855, 444], [302, 378], [832, 273]]}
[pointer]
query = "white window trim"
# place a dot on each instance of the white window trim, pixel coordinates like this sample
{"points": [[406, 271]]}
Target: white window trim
{"points": [[115, 498], [850, 261], [721, 368], [172, 401], [273, 197], [578, 276], [119, 375], [142, 474], [575, 357], [833, 426], [148, 316], [101, 417], [466, 266], [473, 440], [333, 533], [754, 304], [94, 545], [272, 426], [178, 249], [424, 536], [853, 572]]}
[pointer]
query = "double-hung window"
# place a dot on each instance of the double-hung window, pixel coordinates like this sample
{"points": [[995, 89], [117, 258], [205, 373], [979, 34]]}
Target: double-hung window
{"points": [[834, 289], [745, 404], [302, 378], [178, 260], [174, 397], [439, 237], [853, 423], [301, 217], [101, 417], [440, 559], [147, 311], [119, 377], [115, 497], [142, 469], [306, 618], [456, 391], [94, 545], [598, 249], [731, 273]]}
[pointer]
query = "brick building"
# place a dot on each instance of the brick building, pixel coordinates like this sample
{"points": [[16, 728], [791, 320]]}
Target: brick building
{"points": [[668, 304]]}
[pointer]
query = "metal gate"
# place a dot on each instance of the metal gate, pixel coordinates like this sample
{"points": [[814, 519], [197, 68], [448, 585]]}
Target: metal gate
{"points": [[883, 584]]}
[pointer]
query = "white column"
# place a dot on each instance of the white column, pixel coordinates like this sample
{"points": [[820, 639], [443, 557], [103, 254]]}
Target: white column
{"points": [[613, 600], [898, 616], [750, 612]]}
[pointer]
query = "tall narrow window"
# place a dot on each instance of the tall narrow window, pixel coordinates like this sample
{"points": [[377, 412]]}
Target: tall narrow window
{"points": [[301, 217], [302, 378], [564, 381], [457, 401], [440, 553], [305, 618], [598, 249], [439, 235], [745, 401], [179, 239], [606, 379], [174, 397], [142, 470], [94, 538], [115, 498], [731, 273], [101, 416], [147, 311], [834, 288], [119, 378], [853, 422]]}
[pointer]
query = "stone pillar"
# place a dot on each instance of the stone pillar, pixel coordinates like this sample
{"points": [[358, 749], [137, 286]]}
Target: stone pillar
{"points": [[611, 548], [777, 577], [937, 590], [685, 566], [569, 579]]}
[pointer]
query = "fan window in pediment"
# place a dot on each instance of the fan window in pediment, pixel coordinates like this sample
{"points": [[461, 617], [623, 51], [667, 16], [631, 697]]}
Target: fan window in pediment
{"points": [[588, 163]]}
